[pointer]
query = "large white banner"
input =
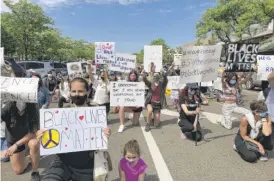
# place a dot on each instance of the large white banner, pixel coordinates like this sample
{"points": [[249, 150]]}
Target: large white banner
{"points": [[153, 54], [123, 63], [265, 66], [129, 94], [19, 89], [177, 59], [174, 83], [74, 67], [73, 129], [200, 63], [104, 52]]}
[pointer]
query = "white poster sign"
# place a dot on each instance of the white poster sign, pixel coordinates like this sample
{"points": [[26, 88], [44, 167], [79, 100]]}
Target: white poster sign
{"points": [[217, 84], [177, 59], [123, 63], [104, 52], [73, 129], [200, 63], [74, 67], [206, 84], [2, 61], [174, 83], [19, 89], [153, 54], [265, 66], [129, 94]]}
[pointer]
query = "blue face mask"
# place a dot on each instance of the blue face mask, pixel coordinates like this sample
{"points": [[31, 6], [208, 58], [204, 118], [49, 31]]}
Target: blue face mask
{"points": [[263, 114], [232, 82]]}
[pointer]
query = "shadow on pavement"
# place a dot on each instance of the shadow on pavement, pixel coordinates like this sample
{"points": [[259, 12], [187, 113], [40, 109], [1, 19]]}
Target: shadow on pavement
{"points": [[206, 140]]}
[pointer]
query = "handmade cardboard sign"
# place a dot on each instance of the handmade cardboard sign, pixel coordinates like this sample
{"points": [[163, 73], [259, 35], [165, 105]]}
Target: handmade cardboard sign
{"points": [[73, 129], [104, 52], [265, 66], [241, 57], [19, 89], [153, 55], [74, 68], [129, 94], [200, 63], [123, 63], [174, 83], [177, 59]]}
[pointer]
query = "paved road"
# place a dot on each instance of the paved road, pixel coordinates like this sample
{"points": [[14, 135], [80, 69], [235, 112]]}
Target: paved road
{"points": [[171, 158]]}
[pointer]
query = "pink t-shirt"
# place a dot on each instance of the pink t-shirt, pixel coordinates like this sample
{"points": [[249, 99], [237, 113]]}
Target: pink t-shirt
{"points": [[132, 172]]}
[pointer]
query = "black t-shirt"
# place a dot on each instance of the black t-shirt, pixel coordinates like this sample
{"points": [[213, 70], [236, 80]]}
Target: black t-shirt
{"points": [[18, 126], [78, 160], [191, 106], [51, 84]]}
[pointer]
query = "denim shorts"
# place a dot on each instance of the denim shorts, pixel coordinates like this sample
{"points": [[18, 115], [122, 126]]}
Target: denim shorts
{"points": [[4, 144]]}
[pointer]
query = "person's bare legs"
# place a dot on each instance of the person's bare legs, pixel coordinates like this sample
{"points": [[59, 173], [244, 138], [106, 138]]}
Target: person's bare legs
{"points": [[34, 153], [19, 162], [136, 117], [157, 119], [149, 113], [122, 111]]}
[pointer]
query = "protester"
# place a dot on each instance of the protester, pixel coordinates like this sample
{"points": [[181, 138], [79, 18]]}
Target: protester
{"points": [[254, 138], [189, 110], [75, 166], [270, 102], [112, 77], [64, 91], [50, 82], [132, 77], [43, 93], [4, 145], [155, 99], [230, 84], [132, 167], [22, 121]]}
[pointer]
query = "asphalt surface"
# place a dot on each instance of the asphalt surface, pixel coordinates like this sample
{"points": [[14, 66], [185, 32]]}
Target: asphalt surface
{"points": [[170, 158]]}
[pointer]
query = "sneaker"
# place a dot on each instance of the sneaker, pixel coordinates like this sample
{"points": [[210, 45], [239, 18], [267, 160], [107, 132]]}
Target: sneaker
{"points": [[263, 157], [183, 136], [234, 147], [35, 176], [121, 128], [147, 128]]}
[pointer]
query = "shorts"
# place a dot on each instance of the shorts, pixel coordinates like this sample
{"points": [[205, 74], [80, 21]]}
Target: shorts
{"points": [[137, 109], [11, 142], [156, 107], [4, 145]]}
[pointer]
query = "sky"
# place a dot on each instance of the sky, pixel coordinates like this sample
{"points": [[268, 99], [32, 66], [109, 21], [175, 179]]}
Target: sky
{"points": [[130, 23]]}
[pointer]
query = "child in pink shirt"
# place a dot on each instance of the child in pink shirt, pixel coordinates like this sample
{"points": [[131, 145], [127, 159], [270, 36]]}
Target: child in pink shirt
{"points": [[132, 167]]}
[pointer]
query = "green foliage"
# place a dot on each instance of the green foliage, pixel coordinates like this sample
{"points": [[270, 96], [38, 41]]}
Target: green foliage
{"points": [[234, 18], [26, 33]]}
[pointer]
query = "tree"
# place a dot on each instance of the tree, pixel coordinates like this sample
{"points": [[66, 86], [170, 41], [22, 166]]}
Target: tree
{"points": [[25, 22], [233, 19]]}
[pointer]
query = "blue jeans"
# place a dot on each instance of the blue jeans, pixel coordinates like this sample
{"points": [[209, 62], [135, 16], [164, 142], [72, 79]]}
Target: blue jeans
{"points": [[4, 145]]}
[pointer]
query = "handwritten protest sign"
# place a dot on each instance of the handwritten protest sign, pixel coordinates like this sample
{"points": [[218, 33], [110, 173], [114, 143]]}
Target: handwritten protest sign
{"points": [[19, 89], [123, 63], [131, 94], [174, 83], [177, 59], [2, 62], [200, 63], [217, 84], [265, 66], [207, 84], [104, 52], [153, 54], [74, 67], [241, 57], [73, 129]]}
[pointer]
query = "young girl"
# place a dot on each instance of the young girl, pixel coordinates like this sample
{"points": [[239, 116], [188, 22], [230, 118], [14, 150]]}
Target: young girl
{"points": [[132, 167]]}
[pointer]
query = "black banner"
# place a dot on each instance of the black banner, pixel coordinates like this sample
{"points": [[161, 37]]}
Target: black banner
{"points": [[241, 57]]}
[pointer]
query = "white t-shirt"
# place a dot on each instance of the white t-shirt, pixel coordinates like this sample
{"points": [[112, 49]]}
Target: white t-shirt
{"points": [[102, 92], [65, 92]]}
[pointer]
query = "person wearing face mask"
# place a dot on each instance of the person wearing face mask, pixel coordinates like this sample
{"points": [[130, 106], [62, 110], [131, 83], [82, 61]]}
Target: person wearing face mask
{"points": [[270, 102], [43, 93], [188, 110], [112, 77], [254, 138], [132, 77], [131, 166], [102, 90], [22, 121], [64, 91], [74, 166], [230, 94], [51, 83], [119, 77]]}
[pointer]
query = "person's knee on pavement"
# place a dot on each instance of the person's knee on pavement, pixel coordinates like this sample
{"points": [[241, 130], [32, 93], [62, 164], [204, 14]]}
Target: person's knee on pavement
{"points": [[250, 158], [33, 145], [18, 170]]}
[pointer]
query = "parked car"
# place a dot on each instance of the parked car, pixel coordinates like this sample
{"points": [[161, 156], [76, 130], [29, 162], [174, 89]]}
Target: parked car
{"points": [[39, 67], [59, 67]]}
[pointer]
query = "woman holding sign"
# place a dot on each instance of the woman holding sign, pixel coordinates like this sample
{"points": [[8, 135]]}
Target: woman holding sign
{"points": [[75, 166]]}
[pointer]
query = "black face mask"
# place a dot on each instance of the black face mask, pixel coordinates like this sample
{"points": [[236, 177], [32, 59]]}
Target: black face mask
{"points": [[79, 100], [102, 78]]}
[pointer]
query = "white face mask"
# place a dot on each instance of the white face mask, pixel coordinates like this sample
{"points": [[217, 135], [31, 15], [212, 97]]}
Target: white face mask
{"points": [[132, 160], [21, 106]]}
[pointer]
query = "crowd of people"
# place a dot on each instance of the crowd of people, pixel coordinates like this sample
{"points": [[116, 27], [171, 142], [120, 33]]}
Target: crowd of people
{"points": [[20, 121]]}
